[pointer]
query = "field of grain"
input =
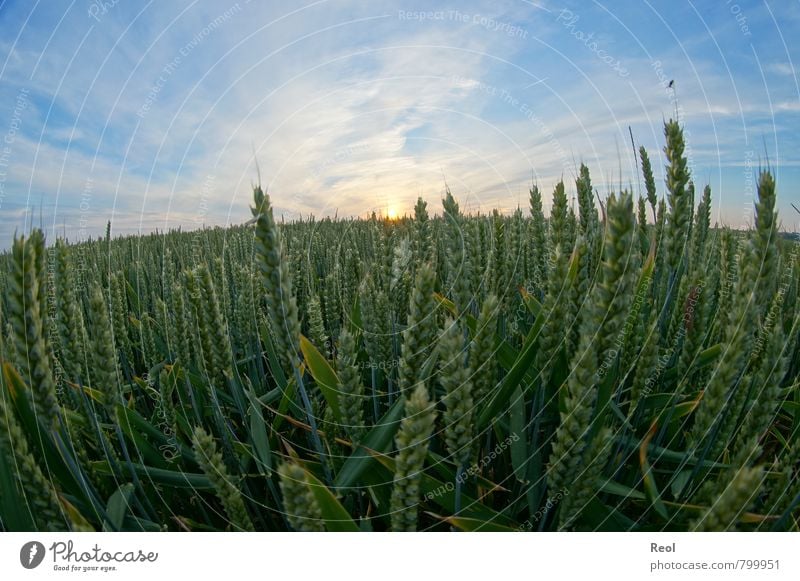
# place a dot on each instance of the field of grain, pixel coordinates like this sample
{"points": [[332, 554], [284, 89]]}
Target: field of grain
{"points": [[624, 365]]}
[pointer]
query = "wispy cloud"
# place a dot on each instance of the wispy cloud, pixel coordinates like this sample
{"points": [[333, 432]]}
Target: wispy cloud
{"points": [[788, 106], [785, 69]]}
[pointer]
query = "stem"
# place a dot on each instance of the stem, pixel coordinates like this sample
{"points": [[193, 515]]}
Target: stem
{"points": [[312, 421], [192, 400], [147, 508], [783, 521], [390, 387], [66, 445]]}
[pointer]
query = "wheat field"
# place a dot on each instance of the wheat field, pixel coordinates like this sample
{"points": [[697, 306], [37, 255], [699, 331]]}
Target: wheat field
{"points": [[624, 365]]}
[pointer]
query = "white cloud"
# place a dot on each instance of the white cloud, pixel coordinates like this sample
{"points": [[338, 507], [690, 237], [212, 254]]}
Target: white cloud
{"points": [[792, 106], [785, 69]]}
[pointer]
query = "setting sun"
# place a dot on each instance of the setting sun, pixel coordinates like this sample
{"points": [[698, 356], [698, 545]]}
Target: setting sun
{"points": [[391, 214]]}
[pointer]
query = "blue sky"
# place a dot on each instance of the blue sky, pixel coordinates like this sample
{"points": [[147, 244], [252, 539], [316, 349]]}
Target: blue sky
{"points": [[154, 114]]}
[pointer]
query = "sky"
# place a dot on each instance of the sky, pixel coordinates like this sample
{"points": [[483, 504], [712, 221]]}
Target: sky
{"points": [[159, 115]]}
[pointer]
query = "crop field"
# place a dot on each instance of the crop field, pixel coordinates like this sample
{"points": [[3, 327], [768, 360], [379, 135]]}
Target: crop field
{"points": [[623, 365]]}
